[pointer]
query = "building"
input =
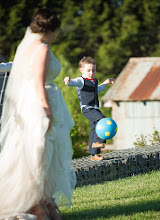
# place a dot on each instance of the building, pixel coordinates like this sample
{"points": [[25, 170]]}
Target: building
{"points": [[135, 100]]}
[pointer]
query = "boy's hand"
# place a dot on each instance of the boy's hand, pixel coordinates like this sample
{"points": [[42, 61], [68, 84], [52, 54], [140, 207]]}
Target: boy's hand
{"points": [[109, 81], [67, 80]]}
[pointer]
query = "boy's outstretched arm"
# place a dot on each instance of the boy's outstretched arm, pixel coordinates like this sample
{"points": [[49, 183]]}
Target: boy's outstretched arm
{"points": [[109, 81], [102, 86], [67, 80], [77, 82]]}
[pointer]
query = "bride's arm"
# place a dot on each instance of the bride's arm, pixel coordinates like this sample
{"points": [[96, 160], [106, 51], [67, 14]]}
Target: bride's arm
{"points": [[40, 68]]}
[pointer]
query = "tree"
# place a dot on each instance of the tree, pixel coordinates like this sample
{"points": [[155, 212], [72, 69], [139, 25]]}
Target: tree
{"points": [[15, 16], [111, 31]]}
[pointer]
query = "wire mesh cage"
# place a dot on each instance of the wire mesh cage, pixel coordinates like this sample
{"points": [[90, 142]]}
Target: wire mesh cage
{"points": [[117, 164]]}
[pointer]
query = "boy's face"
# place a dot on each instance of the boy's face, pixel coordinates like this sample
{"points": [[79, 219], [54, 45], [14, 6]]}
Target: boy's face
{"points": [[88, 70]]}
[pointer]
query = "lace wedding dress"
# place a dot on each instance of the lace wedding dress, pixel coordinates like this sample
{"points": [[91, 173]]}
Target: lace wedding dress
{"points": [[34, 164]]}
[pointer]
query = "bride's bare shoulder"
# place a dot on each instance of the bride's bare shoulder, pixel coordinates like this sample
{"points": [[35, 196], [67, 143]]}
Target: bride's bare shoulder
{"points": [[37, 48], [38, 45]]}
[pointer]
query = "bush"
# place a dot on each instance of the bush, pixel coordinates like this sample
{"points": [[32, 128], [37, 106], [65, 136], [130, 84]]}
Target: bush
{"points": [[154, 138], [141, 141], [150, 139], [79, 138]]}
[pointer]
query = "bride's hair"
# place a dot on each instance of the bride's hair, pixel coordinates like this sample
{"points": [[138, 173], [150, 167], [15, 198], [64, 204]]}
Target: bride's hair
{"points": [[44, 21]]}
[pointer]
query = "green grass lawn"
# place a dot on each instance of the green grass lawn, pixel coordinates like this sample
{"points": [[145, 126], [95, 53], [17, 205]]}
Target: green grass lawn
{"points": [[136, 197]]}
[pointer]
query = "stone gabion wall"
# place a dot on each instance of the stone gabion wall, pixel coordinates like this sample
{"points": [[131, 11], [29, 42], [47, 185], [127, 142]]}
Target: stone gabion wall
{"points": [[117, 164]]}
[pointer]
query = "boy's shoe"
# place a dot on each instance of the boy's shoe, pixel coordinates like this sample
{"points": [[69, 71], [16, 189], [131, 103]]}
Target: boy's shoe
{"points": [[97, 145], [96, 157]]}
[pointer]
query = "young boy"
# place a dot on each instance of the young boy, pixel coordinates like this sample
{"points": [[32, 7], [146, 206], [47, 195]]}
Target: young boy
{"points": [[87, 90]]}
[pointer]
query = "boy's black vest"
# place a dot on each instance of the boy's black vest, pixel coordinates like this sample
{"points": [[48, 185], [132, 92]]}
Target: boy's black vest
{"points": [[88, 95]]}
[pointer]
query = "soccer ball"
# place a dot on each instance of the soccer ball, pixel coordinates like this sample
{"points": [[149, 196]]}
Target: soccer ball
{"points": [[106, 128]]}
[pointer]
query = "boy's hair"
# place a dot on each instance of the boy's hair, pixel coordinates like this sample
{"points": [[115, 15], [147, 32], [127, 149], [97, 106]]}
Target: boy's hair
{"points": [[86, 60]]}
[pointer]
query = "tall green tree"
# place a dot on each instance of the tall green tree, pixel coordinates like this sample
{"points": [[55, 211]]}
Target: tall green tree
{"points": [[15, 16], [111, 31]]}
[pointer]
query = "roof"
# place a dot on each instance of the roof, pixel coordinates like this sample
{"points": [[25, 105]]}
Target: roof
{"points": [[138, 81]]}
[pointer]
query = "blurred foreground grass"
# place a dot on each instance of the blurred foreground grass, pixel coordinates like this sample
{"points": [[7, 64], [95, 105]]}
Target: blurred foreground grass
{"points": [[136, 197]]}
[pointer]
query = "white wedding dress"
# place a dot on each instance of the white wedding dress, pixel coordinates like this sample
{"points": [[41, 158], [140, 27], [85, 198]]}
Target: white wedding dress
{"points": [[34, 165]]}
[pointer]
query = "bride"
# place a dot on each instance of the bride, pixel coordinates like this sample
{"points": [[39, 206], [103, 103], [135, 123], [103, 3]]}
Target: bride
{"points": [[36, 170]]}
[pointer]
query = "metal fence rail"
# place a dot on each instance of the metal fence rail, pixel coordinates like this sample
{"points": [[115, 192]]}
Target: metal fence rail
{"points": [[5, 67], [4, 73]]}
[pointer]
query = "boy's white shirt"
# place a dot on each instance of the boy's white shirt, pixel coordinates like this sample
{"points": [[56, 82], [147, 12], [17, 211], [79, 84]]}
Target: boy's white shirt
{"points": [[79, 82]]}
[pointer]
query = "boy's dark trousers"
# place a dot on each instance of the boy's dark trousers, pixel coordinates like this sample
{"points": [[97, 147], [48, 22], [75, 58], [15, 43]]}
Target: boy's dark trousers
{"points": [[93, 115]]}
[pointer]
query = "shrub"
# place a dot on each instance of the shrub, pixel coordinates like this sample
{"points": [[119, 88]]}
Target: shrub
{"points": [[150, 139], [79, 138], [141, 141]]}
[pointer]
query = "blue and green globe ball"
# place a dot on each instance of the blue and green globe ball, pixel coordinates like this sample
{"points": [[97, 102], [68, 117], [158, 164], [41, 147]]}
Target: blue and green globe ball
{"points": [[106, 128]]}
